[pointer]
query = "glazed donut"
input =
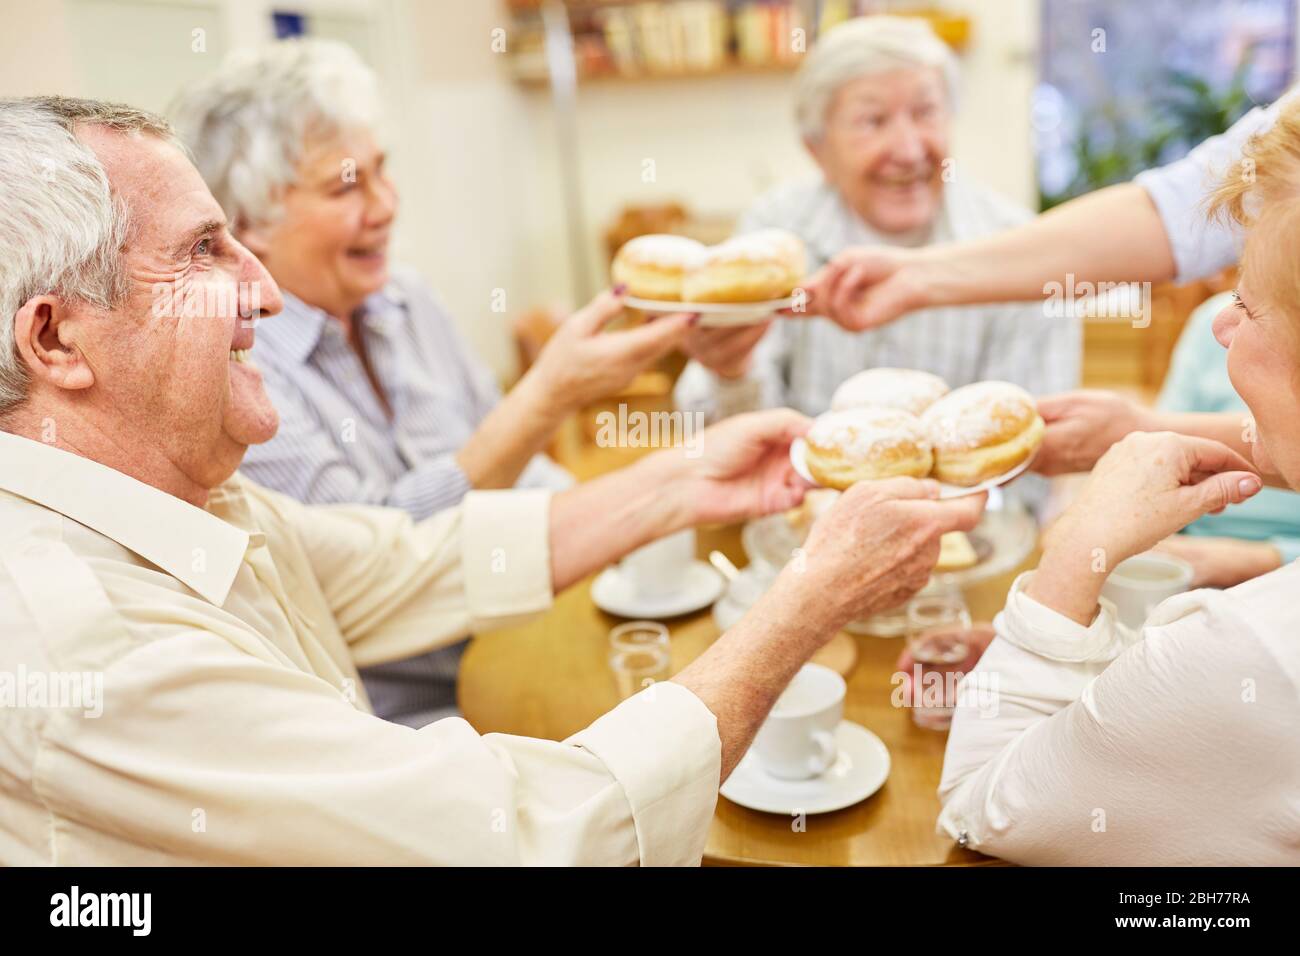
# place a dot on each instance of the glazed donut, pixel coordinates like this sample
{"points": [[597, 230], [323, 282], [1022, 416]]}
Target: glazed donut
{"points": [[753, 267], [863, 444], [981, 431], [652, 266], [903, 388]]}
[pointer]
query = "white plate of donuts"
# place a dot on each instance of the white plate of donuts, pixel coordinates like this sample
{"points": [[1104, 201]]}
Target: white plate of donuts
{"points": [[716, 314], [738, 282], [888, 422]]}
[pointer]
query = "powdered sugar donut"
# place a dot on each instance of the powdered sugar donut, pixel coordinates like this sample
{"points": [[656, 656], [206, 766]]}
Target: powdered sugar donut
{"points": [[906, 389], [981, 431], [863, 444], [652, 266], [753, 267]]}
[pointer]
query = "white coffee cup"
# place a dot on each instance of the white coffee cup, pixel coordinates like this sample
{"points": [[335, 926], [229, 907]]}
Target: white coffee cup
{"points": [[797, 741], [659, 568], [1137, 585]]}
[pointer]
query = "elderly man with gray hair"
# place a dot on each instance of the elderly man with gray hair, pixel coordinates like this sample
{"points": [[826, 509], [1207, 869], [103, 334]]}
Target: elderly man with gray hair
{"points": [[188, 642], [874, 102]]}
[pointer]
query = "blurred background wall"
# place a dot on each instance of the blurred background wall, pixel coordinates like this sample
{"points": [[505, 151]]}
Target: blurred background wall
{"points": [[474, 133]]}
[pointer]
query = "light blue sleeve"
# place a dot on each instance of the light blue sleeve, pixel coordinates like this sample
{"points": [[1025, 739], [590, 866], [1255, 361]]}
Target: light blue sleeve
{"points": [[1196, 358], [1202, 247]]}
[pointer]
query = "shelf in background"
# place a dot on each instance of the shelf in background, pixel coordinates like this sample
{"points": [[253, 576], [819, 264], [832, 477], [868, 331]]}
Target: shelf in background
{"points": [[638, 41], [529, 78]]}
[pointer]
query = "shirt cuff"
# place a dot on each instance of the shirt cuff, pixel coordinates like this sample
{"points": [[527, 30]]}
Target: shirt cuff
{"points": [[506, 554], [451, 484], [662, 746], [1038, 629]]}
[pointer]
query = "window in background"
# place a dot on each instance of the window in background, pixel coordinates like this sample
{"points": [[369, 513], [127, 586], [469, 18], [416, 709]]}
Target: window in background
{"points": [[1125, 86]]}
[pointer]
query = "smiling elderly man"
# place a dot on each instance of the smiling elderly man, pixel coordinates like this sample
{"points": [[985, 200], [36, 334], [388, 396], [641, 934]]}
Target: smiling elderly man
{"points": [[228, 621]]}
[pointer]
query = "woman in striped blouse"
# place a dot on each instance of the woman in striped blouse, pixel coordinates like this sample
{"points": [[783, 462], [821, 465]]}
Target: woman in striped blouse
{"points": [[380, 399]]}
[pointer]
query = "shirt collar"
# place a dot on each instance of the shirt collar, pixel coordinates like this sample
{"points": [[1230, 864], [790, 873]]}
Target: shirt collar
{"points": [[197, 548], [293, 334], [296, 332]]}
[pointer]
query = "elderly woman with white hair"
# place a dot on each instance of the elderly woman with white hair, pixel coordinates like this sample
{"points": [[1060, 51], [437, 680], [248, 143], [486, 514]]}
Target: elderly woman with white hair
{"points": [[380, 400], [874, 101]]}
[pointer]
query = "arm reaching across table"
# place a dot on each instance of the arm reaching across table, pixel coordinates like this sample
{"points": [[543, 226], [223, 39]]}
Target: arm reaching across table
{"points": [[1083, 425], [739, 469], [579, 364], [1150, 230], [872, 550]]}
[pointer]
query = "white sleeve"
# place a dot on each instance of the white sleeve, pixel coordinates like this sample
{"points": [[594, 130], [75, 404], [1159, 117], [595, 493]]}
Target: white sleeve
{"points": [[1202, 247], [1080, 750], [288, 772]]}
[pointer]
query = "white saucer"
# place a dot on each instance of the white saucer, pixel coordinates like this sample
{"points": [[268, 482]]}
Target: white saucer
{"points": [[799, 449], [716, 313], [859, 770], [613, 592]]}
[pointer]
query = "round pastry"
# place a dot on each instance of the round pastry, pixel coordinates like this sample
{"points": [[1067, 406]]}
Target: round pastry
{"points": [[863, 444], [754, 267], [903, 388], [981, 431], [652, 266]]}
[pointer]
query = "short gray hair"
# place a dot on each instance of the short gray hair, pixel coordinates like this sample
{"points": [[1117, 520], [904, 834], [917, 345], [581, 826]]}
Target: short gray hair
{"points": [[860, 47], [61, 229], [246, 124]]}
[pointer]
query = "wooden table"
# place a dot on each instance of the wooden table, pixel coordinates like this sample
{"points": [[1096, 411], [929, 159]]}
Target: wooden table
{"points": [[549, 678]]}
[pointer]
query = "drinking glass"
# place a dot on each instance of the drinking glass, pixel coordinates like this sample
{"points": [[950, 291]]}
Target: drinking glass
{"points": [[638, 655], [938, 638]]}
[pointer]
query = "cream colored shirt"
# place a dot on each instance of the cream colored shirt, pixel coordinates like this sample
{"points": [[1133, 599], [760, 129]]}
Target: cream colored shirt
{"points": [[230, 725], [1098, 746]]}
